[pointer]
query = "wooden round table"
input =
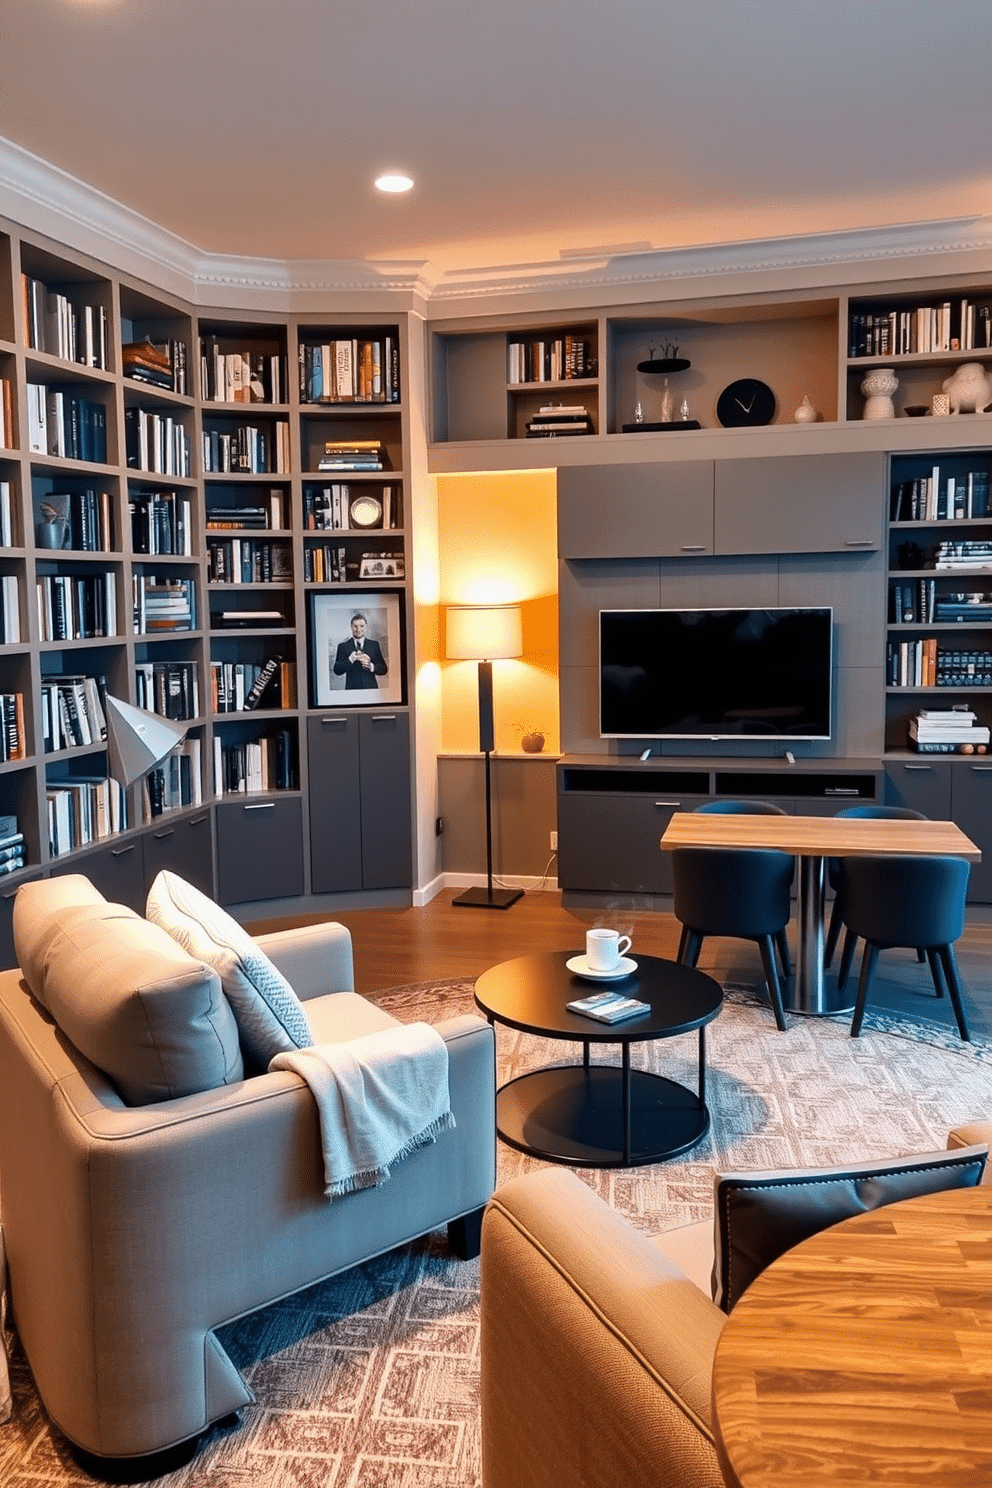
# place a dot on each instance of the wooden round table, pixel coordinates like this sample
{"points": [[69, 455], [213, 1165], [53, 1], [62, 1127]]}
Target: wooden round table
{"points": [[864, 1355]]}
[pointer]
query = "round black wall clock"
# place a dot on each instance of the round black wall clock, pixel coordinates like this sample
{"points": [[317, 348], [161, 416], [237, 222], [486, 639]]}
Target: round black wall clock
{"points": [[745, 402]]}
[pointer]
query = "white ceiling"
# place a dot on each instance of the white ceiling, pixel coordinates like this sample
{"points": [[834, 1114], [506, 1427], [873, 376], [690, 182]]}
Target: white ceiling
{"points": [[533, 127]]}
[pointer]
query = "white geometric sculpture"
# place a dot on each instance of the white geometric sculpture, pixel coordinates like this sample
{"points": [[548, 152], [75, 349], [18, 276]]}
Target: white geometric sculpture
{"points": [[137, 740]]}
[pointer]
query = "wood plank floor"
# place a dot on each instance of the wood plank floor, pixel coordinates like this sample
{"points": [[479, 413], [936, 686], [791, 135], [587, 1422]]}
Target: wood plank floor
{"points": [[394, 947]]}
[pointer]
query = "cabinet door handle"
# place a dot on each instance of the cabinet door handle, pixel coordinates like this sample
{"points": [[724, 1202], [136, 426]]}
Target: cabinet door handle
{"points": [[260, 806], [674, 804], [383, 717], [333, 722], [981, 769], [860, 542], [926, 768], [169, 831], [197, 821], [693, 548], [119, 852]]}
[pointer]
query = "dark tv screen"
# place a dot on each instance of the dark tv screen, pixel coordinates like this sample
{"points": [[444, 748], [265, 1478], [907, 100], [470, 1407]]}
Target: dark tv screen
{"points": [[716, 674]]}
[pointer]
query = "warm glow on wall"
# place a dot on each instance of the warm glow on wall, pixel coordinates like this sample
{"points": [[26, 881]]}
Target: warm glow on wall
{"points": [[497, 544]]}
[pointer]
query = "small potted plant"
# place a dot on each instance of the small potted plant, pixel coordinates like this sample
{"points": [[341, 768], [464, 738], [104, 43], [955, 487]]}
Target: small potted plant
{"points": [[531, 738]]}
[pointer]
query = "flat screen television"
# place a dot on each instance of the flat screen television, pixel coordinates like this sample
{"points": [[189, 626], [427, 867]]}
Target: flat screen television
{"points": [[761, 674]]}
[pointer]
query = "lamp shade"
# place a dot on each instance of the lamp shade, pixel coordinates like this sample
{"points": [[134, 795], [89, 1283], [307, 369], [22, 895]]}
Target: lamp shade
{"points": [[137, 740], [483, 632]]}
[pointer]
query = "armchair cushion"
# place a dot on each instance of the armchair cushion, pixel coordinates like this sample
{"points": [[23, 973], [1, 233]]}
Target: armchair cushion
{"points": [[270, 1016], [149, 1016], [759, 1216], [37, 909]]}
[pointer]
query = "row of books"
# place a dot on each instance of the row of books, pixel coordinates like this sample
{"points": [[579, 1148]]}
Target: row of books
{"points": [[72, 712], [160, 364], [162, 603], [8, 434], [169, 688], [271, 515], [7, 532], [350, 371], [66, 425], [922, 329], [248, 450], [12, 736], [83, 810], [935, 498], [925, 663], [558, 359], [330, 508], [74, 607], [947, 731], [555, 420], [246, 560], [242, 376], [56, 325], [77, 519], [353, 454], [243, 686], [917, 600], [252, 765], [161, 522], [10, 610], [156, 442], [175, 783]]}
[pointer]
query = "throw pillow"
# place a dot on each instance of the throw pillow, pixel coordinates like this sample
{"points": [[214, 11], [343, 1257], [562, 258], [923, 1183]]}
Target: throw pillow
{"points": [[269, 1014], [759, 1216], [37, 908], [137, 1006]]}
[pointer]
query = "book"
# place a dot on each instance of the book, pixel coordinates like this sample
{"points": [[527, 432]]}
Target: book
{"points": [[608, 1007], [261, 682]]}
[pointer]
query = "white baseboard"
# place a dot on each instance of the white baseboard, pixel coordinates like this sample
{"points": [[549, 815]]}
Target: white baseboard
{"points": [[503, 881]]}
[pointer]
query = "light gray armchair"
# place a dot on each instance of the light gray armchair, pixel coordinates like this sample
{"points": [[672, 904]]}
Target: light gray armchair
{"points": [[133, 1231]]}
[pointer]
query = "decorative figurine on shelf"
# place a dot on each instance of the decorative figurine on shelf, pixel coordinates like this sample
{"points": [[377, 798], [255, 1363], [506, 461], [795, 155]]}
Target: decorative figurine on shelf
{"points": [[684, 410], [806, 413], [667, 404], [638, 414], [969, 390], [878, 387]]}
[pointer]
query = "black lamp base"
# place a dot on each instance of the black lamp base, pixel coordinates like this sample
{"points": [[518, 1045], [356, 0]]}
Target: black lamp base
{"points": [[478, 898]]}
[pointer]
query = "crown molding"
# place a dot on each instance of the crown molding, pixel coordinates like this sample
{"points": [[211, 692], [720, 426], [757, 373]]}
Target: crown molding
{"points": [[42, 198]]}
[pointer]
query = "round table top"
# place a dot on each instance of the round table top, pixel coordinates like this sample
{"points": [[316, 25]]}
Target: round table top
{"points": [[531, 993], [864, 1355]]}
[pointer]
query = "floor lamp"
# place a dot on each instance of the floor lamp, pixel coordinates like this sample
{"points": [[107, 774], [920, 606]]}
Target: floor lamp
{"points": [[485, 633], [137, 740]]}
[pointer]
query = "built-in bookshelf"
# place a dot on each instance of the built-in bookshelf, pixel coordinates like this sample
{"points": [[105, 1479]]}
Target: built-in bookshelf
{"points": [[157, 466]]}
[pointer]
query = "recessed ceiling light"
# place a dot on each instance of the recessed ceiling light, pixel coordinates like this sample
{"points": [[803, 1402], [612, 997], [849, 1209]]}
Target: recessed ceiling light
{"points": [[394, 182]]}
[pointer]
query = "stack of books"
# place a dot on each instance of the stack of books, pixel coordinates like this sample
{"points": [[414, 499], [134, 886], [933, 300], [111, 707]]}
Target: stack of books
{"points": [[968, 554], [609, 1007], [352, 454], [947, 731], [145, 362], [964, 609], [554, 420], [11, 845]]}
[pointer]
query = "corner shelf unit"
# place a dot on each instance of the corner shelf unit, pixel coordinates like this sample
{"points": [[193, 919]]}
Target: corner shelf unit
{"points": [[186, 516]]}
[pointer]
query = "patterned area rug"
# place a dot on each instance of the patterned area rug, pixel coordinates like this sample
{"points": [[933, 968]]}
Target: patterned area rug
{"points": [[371, 1380]]}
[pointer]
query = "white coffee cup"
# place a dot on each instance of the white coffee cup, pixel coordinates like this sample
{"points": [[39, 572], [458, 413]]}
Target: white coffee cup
{"points": [[604, 949]]}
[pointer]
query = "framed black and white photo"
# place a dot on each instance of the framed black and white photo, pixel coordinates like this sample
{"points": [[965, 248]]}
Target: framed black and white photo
{"points": [[356, 649]]}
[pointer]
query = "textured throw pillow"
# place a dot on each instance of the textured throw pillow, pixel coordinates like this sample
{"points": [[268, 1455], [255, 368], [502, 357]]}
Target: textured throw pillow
{"points": [[37, 907], [759, 1216], [269, 1014], [155, 1021]]}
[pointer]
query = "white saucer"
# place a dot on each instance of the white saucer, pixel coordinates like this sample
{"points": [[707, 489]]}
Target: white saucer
{"points": [[580, 966]]}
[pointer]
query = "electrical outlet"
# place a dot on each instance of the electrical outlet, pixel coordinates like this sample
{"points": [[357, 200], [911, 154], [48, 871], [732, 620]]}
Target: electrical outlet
{"points": [[438, 826], [554, 841]]}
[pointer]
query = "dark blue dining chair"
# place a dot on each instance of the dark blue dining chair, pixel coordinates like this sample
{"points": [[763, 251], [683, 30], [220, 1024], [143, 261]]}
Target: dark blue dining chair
{"points": [[833, 878], [918, 902], [743, 894]]}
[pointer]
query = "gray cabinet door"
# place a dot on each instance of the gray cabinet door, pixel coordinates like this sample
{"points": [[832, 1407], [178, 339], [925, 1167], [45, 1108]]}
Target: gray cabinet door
{"points": [[185, 847], [259, 849], [800, 504], [387, 857], [660, 510], [335, 803], [611, 843], [971, 803], [115, 868], [922, 785]]}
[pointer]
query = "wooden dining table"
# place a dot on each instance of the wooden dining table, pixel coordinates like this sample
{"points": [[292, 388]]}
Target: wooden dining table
{"points": [[864, 1355], [814, 839]]}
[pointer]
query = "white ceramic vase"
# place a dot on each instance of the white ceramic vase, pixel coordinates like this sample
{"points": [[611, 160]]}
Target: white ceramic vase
{"points": [[878, 387]]}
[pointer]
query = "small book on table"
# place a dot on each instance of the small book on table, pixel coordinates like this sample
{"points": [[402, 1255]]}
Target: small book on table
{"points": [[609, 1007]]}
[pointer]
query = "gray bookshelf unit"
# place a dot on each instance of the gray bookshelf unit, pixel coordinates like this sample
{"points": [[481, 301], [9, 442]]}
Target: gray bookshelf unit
{"points": [[229, 529]]}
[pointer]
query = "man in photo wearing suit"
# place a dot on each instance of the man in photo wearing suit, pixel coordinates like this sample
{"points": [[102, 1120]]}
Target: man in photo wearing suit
{"points": [[360, 660]]}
